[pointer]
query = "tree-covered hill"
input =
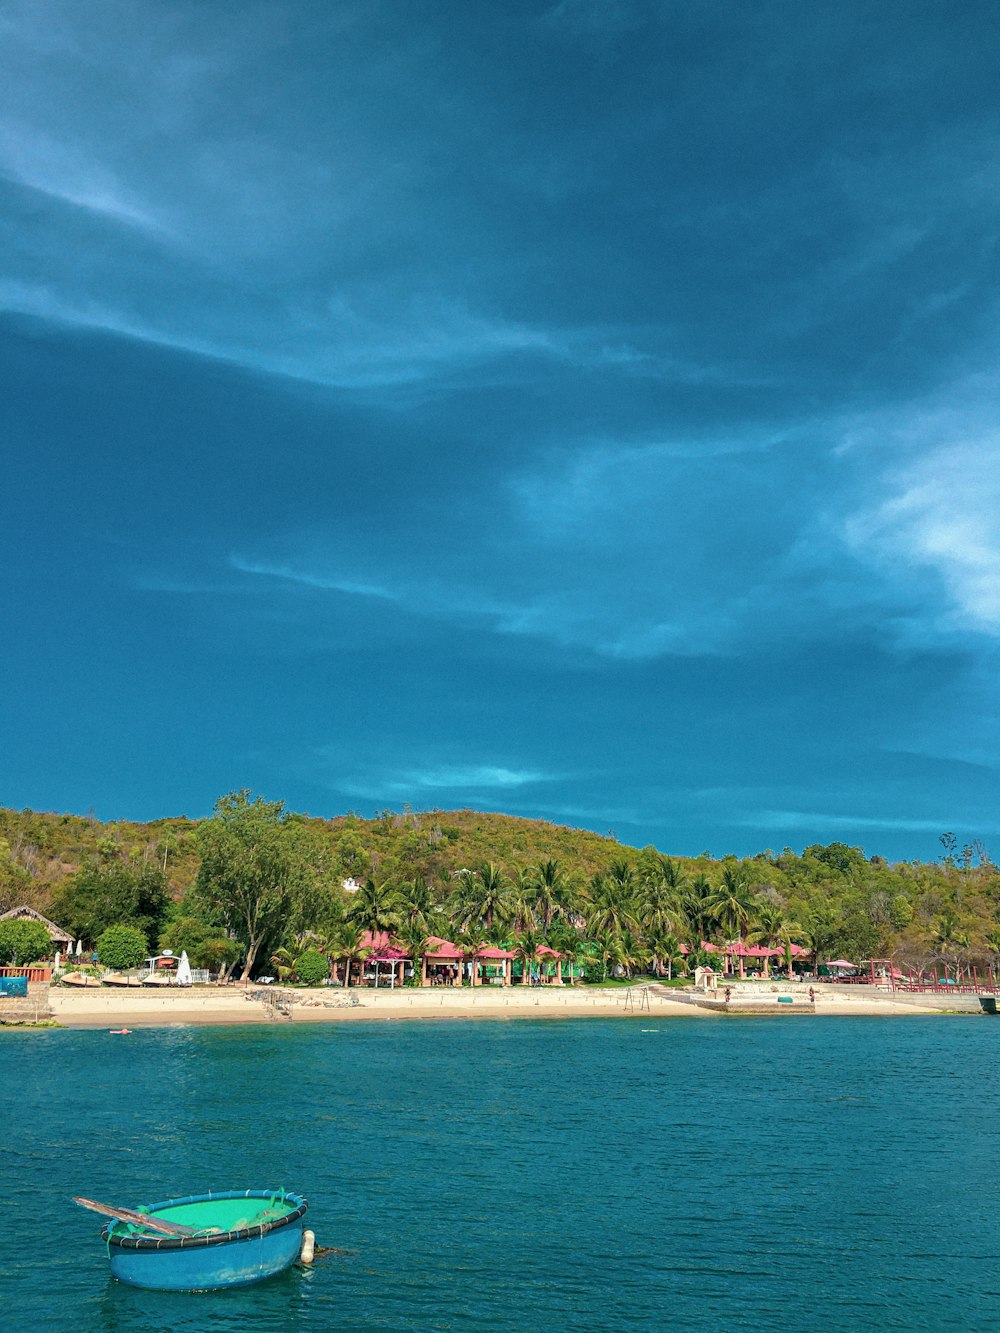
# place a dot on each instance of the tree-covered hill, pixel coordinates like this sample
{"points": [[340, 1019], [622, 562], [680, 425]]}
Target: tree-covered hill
{"points": [[832, 898]]}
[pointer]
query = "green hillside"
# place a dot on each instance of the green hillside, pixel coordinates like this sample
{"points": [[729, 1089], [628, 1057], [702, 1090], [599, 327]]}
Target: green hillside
{"points": [[831, 898]]}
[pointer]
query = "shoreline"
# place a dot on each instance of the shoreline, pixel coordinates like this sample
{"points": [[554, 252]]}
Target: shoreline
{"points": [[201, 1006]]}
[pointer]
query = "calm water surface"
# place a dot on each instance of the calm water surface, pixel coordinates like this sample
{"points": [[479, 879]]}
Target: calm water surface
{"points": [[525, 1175]]}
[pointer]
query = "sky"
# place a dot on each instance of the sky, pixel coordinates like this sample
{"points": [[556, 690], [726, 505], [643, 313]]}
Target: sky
{"points": [[582, 410]]}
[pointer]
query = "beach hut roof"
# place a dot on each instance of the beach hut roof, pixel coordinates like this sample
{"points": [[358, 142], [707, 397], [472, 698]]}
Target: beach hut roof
{"points": [[56, 933], [439, 948], [492, 952], [382, 946]]}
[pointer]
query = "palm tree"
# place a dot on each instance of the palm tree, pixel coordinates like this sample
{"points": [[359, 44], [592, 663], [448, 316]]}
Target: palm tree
{"points": [[611, 908], [415, 903], [551, 891], [772, 928], [284, 963], [735, 905], [471, 940], [375, 907], [565, 939], [527, 948], [484, 896], [695, 905], [521, 901], [820, 933], [417, 942], [666, 951], [346, 946], [608, 946]]}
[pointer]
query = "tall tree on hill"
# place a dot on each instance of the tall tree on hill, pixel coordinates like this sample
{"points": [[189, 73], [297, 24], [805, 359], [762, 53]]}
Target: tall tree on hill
{"points": [[255, 861], [110, 893]]}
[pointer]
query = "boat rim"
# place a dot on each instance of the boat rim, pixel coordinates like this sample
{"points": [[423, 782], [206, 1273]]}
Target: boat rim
{"points": [[217, 1238]]}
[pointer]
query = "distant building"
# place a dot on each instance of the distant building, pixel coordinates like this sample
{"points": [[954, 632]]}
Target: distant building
{"points": [[60, 940], [350, 884]]}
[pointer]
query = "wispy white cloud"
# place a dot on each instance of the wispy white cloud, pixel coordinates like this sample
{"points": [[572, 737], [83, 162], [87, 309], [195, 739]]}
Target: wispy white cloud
{"points": [[821, 821], [454, 782], [939, 517], [34, 160], [309, 579]]}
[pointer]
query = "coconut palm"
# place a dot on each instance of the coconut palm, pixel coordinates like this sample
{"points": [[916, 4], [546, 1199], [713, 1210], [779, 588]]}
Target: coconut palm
{"points": [[483, 896], [735, 905], [772, 928], [346, 946], [414, 938], [696, 910], [527, 949], [374, 907], [820, 933], [665, 951], [610, 908], [566, 939], [552, 891], [414, 902]]}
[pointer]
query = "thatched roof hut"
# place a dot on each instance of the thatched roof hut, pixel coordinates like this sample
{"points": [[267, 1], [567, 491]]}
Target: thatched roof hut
{"points": [[57, 935]]}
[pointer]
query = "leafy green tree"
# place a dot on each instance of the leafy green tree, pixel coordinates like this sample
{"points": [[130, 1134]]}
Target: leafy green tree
{"points": [[122, 947], [312, 967], [191, 934], [23, 942], [255, 862], [111, 893]]}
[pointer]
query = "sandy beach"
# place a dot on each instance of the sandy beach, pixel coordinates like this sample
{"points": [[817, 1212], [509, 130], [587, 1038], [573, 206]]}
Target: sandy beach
{"points": [[212, 1005]]}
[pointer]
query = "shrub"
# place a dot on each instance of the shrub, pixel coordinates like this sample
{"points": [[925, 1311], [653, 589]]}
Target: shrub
{"points": [[23, 942], [122, 947], [312, 967]]}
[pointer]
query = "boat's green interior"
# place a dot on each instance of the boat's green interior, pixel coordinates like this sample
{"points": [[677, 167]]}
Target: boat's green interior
{"points": [[210, 1216], [227, 1214]]}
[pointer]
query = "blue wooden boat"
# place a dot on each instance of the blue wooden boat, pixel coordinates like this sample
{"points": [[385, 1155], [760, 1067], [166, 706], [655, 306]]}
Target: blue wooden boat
{"points": [[236, 1237]]}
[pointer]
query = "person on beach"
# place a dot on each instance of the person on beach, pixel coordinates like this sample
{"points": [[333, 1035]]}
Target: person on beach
{"points": [[728, 994]]}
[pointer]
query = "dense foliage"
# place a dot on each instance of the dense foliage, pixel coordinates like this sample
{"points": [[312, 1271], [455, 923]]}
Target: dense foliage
{"points": [[312, 967], [23, 942], [122, 947], [257, 886]]}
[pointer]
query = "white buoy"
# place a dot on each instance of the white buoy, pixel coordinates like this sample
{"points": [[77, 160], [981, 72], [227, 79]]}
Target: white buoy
{"points": [[308, 1247]]}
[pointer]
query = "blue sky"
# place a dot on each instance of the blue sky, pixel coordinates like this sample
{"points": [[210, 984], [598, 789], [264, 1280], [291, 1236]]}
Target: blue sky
{"points": [[585, 410]]}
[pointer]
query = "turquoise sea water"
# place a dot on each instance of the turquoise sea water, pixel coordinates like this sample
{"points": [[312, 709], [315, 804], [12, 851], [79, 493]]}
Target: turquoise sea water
{"points": [[785, 1174]]}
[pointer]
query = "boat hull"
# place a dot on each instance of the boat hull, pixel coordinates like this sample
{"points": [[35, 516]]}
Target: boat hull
{"points": [[233, 1258]]}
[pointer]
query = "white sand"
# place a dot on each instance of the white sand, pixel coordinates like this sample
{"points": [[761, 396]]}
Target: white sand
{"points": [[210, 1004]]}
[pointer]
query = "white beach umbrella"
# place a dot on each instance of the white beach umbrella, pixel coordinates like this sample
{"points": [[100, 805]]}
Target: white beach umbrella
{"points": [[79, 948], [56, 961], [184, 970]]}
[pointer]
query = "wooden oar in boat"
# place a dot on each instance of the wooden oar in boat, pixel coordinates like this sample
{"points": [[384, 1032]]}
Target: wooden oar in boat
{"points": [[137, 1219]]}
